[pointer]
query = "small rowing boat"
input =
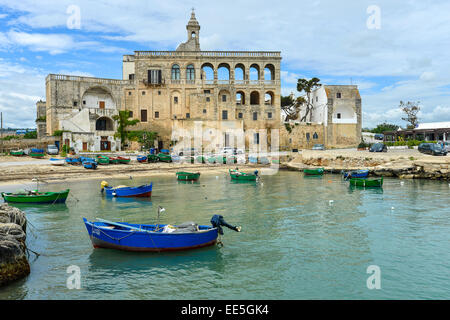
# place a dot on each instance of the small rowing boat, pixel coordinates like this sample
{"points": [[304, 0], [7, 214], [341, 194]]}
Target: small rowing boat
{"points": [[242, 176], [126, 191], [313, 172], [36, 197], [17, 153], [57, 162], [103, 160], [141, 159], [356, 174], [188, 176], [123, 160], [361, 182]]}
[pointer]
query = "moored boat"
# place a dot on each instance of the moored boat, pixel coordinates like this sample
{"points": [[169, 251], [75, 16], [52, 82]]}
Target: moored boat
{"points": [[36, 197], [361, 182], [90, 164], [356, 174], [141, 159], [57, 162], [37, 153], [151, 158], [123, 160], [103, 160], [242, 176], [157, 238], [126, 191], [164, 157], [313, 172], [188, 176], [17, 153]]}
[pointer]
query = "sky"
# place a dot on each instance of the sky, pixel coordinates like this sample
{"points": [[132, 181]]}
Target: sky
{"points": [[393, 50]]}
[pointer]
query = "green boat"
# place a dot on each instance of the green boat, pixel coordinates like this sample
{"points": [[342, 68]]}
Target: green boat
{"points": [[17, 153], [242, 176], [36, 197], [113, 160], [37, 155], [188, 176], [124, 160], [152, 158], [103, 160], [164, 157], [313, 172], [361, 182]]}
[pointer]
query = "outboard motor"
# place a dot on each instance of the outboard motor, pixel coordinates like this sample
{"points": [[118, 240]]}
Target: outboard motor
{"points": [[217, 221], [256, 172]]}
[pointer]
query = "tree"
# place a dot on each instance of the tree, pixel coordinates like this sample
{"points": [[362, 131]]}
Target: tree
{"points": [[411, 109], [124, 122], [291, 106], [383, 127], [308, 86]]}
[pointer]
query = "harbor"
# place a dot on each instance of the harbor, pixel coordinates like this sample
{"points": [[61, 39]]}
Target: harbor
{"points": [[307, 237]]}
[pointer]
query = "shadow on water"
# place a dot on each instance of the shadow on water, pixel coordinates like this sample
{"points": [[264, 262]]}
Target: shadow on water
{"points": [[57, 207], [188, 182], [122, 262]]}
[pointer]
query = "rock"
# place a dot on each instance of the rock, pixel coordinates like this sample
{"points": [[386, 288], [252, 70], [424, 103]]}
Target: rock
{"points": [[13, 260]]}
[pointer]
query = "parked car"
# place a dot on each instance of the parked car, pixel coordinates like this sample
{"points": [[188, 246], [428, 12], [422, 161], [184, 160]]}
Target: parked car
{"points": [[318, 147], [432, 148], [52, 149], [379, 136], [378, 147]]}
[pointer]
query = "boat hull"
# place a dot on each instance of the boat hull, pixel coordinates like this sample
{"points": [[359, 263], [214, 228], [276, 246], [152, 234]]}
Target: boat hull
{"points": [[128, 192], [188, 176], [45, 198], [146, 241], [360, 182], [241, 176], [313, 172], [356, 174]]}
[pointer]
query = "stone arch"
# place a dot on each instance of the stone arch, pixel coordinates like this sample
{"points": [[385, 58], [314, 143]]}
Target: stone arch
{"points": [[221, 73], [240, 97], [254, 98], [269, 72], [269, 98], [254, 72], [98, 97], [239, 76], [207, 71], [104, 124]]}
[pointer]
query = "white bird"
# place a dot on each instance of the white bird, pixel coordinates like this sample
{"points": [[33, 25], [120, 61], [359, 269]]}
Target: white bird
{"points": [[330, 202], [402, 183]]}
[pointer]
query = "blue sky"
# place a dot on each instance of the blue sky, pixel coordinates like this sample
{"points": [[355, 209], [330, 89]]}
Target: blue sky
{"points": [[406, 58]]}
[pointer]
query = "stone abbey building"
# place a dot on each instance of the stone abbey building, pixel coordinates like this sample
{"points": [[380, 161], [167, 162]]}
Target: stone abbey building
{"points": [[220, 91]]}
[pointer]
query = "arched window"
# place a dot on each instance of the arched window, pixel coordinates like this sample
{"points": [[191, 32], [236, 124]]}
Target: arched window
{"points": [[104, 124], [175, 72], [240, 97], [190, 72], [254, 98], [254, 72], [315, 136], [269, 72], [239, 72]]}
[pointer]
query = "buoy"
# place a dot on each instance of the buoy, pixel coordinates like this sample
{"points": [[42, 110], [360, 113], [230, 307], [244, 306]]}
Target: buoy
{"points": [[392, 208], [402, 183], [330, 202]]}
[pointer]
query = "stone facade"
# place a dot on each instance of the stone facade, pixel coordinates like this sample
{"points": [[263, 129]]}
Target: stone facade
{"points": [[225, 90], [41, 115]]}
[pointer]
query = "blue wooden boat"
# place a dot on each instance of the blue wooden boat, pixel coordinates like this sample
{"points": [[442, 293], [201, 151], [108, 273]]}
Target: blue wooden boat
{"points": [[356, 174], [148, 237], [141, 159], [126, 191], [73, 160], [90, 165]]}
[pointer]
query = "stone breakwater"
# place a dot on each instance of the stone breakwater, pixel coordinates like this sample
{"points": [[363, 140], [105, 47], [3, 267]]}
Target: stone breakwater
{"points": [[404, 165], [13, 257]]}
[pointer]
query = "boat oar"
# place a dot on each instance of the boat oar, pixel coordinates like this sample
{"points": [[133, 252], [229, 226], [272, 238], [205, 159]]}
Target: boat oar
{"points": [[121, 225]]}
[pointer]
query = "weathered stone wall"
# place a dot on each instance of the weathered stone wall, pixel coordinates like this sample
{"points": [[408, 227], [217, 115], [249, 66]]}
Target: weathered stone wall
{"points": [[13, 259], [28, 143], [302, 136]]}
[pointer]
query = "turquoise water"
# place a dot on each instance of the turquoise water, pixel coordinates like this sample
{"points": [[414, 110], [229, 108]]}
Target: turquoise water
{"points": [[294, 244]]}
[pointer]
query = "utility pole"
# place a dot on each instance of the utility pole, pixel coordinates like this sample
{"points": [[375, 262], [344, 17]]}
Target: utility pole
{"points": [[1, 131]]}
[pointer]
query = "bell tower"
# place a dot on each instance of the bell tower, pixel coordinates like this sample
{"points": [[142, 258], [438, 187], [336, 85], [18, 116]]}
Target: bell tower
{"points": [[193, 35]]}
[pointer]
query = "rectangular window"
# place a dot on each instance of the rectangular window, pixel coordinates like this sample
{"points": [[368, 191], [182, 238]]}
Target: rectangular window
{"points": [[338, 115], [143, 93], [240, 115], [75, 103], [224, 115], [188, 115], [175, 100], [154, 76], [255, 115], [317, 99], [206, 91], [130, 113], [131, 76], [156, 114], [101, 104], [84, 102], [204, 110], [224, 98], [338, 95], [269, 115], [207, 99], [256, 138], [129, 93], [159, 93], [144, 115]]}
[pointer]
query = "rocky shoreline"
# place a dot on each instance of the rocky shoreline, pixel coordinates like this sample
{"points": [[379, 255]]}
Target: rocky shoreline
{"points": [[13, 256], [403, 166]]}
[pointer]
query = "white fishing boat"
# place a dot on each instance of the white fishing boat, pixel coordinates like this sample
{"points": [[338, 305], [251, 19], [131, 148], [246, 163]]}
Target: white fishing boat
{"points": [[57, 162]]}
